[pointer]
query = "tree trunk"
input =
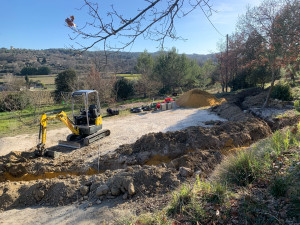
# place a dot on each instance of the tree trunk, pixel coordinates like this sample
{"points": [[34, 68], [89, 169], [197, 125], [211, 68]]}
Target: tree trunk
{"points": [[293, 76], [271, 88]]}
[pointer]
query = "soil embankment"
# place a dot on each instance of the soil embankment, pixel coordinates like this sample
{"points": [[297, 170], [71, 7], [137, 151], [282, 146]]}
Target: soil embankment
{"points": [[174, 156], [151, 166]]}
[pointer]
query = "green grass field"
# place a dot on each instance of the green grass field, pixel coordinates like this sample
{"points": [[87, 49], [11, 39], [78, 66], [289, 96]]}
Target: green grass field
{"points": [[47, 80], [27, 120]]}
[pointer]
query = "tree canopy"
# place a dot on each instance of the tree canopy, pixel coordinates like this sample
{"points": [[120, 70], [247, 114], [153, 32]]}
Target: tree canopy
{"points": [[266, 40], [65, 81]]}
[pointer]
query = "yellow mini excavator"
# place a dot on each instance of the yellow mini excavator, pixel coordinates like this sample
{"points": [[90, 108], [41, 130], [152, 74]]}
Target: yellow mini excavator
{"points": [[87, 125]]}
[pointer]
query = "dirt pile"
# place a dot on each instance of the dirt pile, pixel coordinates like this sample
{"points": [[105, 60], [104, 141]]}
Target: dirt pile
{"points": [[130, 182], [150, 149], [230, 112], [172, 145], [254, 101], [198, 98], [155, 164], [247, 104]]}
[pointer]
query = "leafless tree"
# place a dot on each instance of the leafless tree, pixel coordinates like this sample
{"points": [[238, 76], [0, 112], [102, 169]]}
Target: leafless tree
{"points": [[152, 19], [101, 82], [261, 19]]}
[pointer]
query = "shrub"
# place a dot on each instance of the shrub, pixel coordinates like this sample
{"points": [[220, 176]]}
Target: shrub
{"points": [[44, 70], [241, 169], [282, 92], [279, 187], [184, 202], [28, 71], [151, 219], [124, 88], [15, 101], [165, 90], [212, 191]]}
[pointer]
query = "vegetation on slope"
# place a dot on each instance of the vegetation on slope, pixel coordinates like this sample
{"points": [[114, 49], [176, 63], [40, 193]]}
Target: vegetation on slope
{"points": [[259, 185]]}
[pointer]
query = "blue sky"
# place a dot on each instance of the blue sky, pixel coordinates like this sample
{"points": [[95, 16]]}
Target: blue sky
{"points": [[39, 24]]}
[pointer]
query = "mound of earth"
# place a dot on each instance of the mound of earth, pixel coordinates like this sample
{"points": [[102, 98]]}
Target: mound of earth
{"points": [[150, 149], [231, 112], [197, 98], [163, 147], [129, 183]]}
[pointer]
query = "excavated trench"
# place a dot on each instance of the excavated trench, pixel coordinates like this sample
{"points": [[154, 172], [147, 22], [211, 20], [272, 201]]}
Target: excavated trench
{"points": [[155, 163]]}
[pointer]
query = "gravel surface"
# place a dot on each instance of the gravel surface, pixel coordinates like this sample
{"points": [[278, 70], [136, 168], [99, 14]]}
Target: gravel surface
{"points": [[124, 130]]}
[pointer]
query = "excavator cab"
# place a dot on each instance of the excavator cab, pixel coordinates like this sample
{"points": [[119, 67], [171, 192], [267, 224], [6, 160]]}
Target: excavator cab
{"points": [[86, 126], [86, 117]]}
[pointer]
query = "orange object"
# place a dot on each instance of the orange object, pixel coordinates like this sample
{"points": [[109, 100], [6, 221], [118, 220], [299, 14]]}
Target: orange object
{"points": [[70, 22]]}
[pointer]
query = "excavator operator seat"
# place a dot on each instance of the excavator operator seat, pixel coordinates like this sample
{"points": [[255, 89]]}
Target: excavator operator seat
{"points": [[93, 111]]}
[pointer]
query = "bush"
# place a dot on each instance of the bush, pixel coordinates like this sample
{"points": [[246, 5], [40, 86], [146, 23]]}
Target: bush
{"points": [[184, 202], [150, 219], [282, 92], [14, 101], [44, 70], [242, 169], [124, 88], [279, 187], [212, 191], [165, 90], [28, 71]]}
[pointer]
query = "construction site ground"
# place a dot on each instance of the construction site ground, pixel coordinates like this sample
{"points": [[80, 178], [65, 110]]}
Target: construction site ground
{"points": [[124, 130], [134, 170]]}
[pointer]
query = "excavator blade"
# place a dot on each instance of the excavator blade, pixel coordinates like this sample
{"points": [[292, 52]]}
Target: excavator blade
{"points": [[69, 144]]}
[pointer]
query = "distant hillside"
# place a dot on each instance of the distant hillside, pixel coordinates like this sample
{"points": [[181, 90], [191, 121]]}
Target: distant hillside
{"points": [[12, 61]]}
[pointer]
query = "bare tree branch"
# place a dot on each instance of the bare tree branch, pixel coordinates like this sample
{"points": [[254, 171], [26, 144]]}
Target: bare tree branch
{"points": [[156, 21]]}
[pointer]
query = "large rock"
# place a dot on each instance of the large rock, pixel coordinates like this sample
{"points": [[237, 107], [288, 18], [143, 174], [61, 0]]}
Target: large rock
{"points": [[84, 190], [102, 190], [131, 189], [38, 194], [115, 191], [185, 172]]}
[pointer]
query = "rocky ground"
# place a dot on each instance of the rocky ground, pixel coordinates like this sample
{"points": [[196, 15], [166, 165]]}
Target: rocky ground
{"points": [[135, 177]]}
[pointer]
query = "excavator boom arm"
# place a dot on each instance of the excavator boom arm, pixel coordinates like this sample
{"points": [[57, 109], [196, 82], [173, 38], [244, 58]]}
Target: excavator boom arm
{"points": [[62, 116]]}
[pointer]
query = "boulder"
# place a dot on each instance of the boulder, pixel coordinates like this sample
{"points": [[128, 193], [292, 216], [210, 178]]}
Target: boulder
{"points": [[84, 190], [185, 172], [115, 191], [38, 194], [102, 190], [131, 189]]}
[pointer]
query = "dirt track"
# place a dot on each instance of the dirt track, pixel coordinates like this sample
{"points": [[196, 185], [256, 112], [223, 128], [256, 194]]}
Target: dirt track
{"points": [[147, 164], [124, 130]]}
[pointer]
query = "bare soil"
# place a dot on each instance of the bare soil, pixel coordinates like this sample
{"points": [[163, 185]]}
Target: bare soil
{"points": [[132, 171]]}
